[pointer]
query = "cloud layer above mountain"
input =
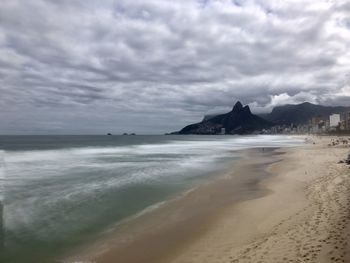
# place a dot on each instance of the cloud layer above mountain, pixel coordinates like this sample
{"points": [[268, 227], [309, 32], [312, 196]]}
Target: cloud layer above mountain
{"points": [[88, 66]]}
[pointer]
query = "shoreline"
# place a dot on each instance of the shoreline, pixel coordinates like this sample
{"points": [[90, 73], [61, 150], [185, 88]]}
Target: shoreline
{"points": [[159, 235], [294, 206]]}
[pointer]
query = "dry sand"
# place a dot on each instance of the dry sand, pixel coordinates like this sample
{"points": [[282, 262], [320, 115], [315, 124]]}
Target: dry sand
{"points": [[304, 219], [300, 213]]}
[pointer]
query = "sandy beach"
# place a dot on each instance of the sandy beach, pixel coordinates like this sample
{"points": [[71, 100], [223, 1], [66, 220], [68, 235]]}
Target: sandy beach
{"points": [[284, 205], [305, 217]]}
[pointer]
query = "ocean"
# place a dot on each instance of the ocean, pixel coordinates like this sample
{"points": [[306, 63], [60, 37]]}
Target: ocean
{"points": [[59, 192]]}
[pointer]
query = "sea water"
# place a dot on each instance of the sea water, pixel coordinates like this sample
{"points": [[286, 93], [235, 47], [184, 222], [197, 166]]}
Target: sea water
{"points": [[58, 192]]}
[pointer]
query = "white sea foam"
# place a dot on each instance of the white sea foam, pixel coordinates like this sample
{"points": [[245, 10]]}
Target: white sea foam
{"points": [[41, 182]]}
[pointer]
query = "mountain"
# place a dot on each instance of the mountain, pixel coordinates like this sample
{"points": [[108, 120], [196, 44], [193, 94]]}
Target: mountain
{"points": [[300, 113], [239, 120]]}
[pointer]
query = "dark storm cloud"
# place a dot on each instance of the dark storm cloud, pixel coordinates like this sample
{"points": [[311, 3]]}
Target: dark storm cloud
{"points": [[88, 66]]}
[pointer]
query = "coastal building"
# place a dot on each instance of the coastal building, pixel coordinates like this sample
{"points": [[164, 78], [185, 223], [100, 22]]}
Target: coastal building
{"points": [[342, 125], [334, 120], [302, 129], [345, 118], [318, 124], [327, 125]]}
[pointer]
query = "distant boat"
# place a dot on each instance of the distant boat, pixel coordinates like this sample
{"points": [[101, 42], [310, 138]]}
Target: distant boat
{"points": [[109, 133]]}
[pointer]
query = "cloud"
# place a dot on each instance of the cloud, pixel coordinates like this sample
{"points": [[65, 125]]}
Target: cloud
{"points": [[152, 66], [285, 98]]}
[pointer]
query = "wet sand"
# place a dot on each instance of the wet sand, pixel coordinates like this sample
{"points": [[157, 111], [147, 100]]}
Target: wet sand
{"points": [[287, 205], [160, 235]]}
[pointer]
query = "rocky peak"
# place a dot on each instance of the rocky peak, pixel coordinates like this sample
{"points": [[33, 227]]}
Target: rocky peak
{"points": [[246, 109], [238, 107], [238, 121]]}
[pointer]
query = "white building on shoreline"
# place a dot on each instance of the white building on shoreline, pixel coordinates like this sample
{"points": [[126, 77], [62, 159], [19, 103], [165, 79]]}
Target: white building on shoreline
{"points": [[334, 120]]}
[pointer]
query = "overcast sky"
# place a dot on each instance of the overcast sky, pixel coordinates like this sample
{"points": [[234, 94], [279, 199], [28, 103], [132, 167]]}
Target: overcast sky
{"points": [[153, 66]]}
